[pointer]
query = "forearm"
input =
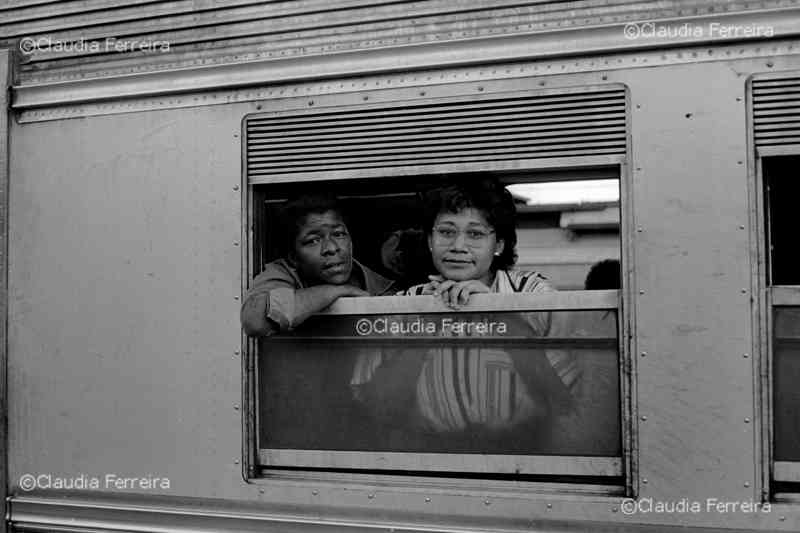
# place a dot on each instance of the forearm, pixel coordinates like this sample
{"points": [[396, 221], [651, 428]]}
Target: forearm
{"points": [[267, 312]]}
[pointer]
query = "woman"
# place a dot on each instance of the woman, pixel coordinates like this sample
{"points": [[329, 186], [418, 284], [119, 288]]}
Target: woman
{"points": [[477, 388]]}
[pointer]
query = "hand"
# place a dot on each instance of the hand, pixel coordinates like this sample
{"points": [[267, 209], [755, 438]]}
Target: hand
{"points": [[350, 290], [454, 294]]}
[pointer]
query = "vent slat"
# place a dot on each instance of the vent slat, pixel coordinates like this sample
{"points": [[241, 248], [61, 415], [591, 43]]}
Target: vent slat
{"points": [[435, 161], [395, 139], [393, 155], [449, 131], [480, 143]]}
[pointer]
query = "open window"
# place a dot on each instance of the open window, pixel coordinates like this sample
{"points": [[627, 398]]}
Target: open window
{"points": [[781, 189], [516, 385]]}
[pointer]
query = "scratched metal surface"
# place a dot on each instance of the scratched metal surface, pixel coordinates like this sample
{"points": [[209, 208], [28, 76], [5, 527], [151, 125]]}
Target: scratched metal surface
{"points": [[123, 323]]}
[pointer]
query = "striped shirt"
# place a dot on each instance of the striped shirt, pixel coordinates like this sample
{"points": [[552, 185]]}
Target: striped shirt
{"points": [[473, 387]]}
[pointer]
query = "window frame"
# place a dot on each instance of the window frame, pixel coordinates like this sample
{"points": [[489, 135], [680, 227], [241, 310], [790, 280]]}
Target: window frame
{"points": [[599, 467], [770, 297]]}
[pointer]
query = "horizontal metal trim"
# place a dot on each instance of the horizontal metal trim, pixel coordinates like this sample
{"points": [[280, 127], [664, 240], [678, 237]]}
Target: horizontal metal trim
{"points": [[550, 301], [787, 471], [445, 462], [785, 295], [540, 169], [551, 44]]}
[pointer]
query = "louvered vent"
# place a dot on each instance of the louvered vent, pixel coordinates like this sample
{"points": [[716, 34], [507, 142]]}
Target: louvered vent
{"points": [[776, 111], [452, 131]]}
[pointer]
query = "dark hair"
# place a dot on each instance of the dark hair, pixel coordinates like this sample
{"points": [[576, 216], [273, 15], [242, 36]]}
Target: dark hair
{"points": [[603, 275], [294, 212], [489, 197]]}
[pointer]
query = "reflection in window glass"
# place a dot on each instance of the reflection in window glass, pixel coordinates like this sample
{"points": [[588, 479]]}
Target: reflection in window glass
{"points": [[786, 372], [488, 383]]}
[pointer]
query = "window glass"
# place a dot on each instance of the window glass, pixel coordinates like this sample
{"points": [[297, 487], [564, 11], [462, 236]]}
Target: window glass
{"points": [[468, 384], [491, 383], [786, 372]]}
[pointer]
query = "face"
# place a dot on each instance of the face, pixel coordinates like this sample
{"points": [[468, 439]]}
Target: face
{"points": [[463, 246], [323, 250]]}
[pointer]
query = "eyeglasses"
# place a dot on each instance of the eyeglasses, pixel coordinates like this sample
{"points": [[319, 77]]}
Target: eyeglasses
{"points": [[473, 237]]}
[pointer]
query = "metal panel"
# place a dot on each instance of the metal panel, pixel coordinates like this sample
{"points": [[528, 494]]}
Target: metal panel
{"points": [[403, 134], [695, 387], [96, 198]]}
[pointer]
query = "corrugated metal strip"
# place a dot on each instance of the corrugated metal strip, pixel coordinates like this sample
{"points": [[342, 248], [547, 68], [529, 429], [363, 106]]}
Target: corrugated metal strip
{"points": [[450, 131], [776, 111], [202, 32]]}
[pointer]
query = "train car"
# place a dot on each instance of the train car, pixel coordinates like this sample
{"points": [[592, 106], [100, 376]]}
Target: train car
{"points": [[150, 147]]}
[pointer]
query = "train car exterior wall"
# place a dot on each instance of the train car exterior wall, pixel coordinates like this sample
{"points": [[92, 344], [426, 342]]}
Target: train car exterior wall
{"points": [[127, 259]]}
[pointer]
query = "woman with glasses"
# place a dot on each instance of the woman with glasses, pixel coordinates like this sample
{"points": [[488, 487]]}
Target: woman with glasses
{"points": [[475, 389]]}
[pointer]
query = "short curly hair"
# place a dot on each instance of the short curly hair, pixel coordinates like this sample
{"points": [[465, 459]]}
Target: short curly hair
{"points": [[489, 197]]}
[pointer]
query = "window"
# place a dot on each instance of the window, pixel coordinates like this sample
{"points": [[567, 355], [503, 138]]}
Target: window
{"points": [[516, 385], [513, 385], [781, 189]]}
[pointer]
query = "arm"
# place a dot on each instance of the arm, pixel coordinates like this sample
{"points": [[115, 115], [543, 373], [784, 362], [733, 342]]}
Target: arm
{"points": [[274, 303]]}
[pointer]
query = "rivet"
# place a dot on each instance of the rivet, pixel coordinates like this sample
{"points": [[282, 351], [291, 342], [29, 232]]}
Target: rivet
{"points": [[236, 461], [541, 83], [258, 107], [427, 500], [236, 352], [235, 187], [644, 480], [236, 407], [549, 505], [487, 502], [782, 519], [638, 169], [370, 496], [744, 291], [746, 483], [739, 162], [644, 418], [366, 98], [311, 102], [613, 509], [641, 292], [745, 355], [738, 98], [770, 64], [741, 226], [480, 88], [261, 491], [604, 77], [746, 420], [639, 229], [315, 492]]}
